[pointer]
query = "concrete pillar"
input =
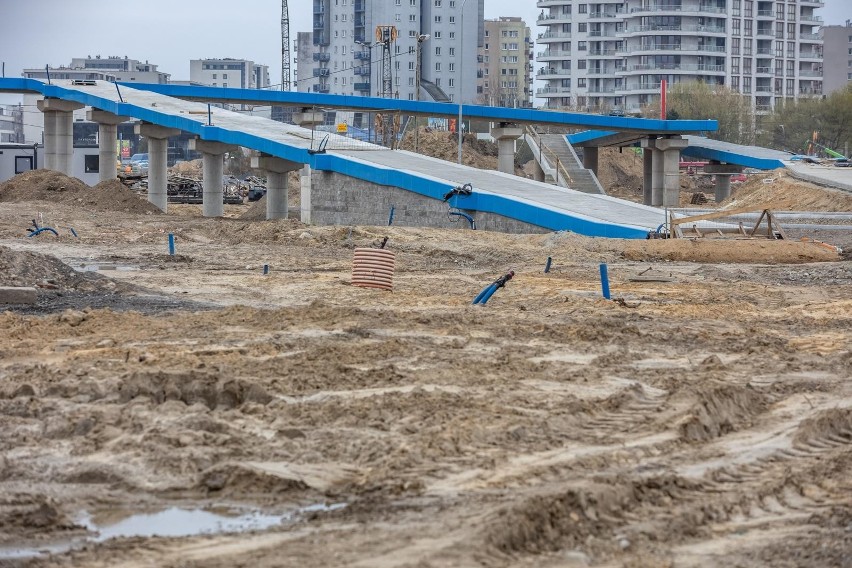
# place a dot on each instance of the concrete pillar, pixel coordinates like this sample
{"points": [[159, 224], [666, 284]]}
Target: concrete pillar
{"points": [[505, 134], [647, 161], [723, 173], [277, 170], [213, 167], [723, 187], [107, 136], [670, 163], [308, 118], [305, 187], [538, 173], [58, 133], [656, 178], [158, 154], [590, 158]]}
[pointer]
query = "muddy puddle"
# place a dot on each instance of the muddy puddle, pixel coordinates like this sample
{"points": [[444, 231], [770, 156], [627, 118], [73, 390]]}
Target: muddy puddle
{"points": [[172, 522]]}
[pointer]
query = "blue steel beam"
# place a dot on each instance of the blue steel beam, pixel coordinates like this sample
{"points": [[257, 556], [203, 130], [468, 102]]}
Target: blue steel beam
{"points": [[428, 108]]}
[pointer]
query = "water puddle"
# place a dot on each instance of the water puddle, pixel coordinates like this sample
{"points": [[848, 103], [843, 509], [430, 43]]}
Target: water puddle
{"points": [[171, 522]]}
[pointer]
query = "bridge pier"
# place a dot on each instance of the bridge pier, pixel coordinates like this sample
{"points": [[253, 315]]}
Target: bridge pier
{"points": [[107, 136], [308, 118], [276, 183], [158, 148], [665, 173], [590, 158], [213, 168], [58, 133], [647, 177], [723, 173], [505, 134]]}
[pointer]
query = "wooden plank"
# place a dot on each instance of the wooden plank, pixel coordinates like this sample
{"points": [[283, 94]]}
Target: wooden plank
{"points": [[719, 214]]}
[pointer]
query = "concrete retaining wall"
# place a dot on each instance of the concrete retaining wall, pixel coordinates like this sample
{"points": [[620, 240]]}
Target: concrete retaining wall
{"points": [[337, 199]]}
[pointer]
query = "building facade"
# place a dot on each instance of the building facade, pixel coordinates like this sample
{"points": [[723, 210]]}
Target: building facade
{"points": [[11, 124], [112, 68], [837, 57], [230, 73], [345, 55], [504, 76], [615, 53]]}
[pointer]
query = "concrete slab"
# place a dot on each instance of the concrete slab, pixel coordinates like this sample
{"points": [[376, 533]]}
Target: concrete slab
{"points": [[831, 176], [15, 295]]}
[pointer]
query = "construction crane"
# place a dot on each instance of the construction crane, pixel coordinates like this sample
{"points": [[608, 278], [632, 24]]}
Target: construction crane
{"points": [[285, 46]]}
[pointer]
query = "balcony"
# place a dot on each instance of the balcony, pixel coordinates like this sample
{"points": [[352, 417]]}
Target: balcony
{"points": [[549, 3], [321, 88], [363, 87], [639, 88], [552, 54], [322, 57], [552, 73], [810, 54], [765, 14], [675, 28], [362, 55], [813, 37], [321, 72], [611, 52], [549, 37], [810, 18], [603, 15], [602, 34], [553, 92], [553, 19], [810, 73], [362, 70]]}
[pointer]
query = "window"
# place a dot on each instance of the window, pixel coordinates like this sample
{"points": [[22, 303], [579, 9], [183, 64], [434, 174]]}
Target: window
{"points": [[437, 3], [25, 164], [581, 83], [214, 75], [224, 75], [437, 19], [438, 66], [582, 8], [397, 17], [451, 82], [452, 19], [582, 27], [452, 67], [436, 35], [452, 51], [225, 85], [412, 17], [411, 66], [437, 51], [343, 50], [581, 46]]}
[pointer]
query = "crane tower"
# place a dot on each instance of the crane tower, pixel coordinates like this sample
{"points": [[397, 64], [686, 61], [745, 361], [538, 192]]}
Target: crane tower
{"points": [[285, 46]]}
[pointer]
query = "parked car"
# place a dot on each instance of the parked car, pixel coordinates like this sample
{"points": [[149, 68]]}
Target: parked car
{"points": [[256, 192]]}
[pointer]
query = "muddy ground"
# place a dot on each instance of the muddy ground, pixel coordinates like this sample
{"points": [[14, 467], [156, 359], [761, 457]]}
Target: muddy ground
{"points": [[703, 419]]}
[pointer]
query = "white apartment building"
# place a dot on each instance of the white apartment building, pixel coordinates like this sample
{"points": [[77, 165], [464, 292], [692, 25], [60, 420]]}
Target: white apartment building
{"points": [[111, 68], [228, 72], [344, 55], [615, 53]]}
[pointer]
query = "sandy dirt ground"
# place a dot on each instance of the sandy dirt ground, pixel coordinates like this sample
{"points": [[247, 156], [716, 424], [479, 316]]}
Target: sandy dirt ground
{"points": [[703, 418]]}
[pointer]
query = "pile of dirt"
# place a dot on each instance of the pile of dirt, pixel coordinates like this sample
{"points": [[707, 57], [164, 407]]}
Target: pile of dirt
{"points": [[192, 169], [780, 190], [444, 145], [620, 172], [19, 268], [55, 187]]}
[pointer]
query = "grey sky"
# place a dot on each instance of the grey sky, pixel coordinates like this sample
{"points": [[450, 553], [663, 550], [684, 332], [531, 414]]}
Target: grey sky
{"points": [[171, 32]]}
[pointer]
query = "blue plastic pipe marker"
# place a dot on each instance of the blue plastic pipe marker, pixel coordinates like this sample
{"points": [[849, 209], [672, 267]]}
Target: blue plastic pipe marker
{"points": [[547, 265], [604, 281], [390, 217], [172, 244], [266, 269]]}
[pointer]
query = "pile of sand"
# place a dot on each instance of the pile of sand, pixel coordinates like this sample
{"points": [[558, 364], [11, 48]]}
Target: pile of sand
{"points": [[19, 268], [444, 145], [191, 169], [55, 187], [780, 190]]}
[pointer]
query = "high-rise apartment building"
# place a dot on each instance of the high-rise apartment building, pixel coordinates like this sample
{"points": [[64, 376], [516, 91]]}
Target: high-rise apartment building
{"points": [[616, 53], [348, 57], [504, 77], [838, 57], [232, 73]]}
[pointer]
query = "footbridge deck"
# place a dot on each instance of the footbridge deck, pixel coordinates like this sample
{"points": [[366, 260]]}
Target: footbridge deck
{"points": [[512, 197]]}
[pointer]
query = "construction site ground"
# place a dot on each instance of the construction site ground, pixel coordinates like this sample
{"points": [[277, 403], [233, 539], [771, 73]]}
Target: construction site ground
{"points": [[703, 417]]}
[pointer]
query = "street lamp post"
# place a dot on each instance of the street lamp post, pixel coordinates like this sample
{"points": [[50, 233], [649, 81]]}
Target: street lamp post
{"points": [[420, 39], [461, 76]]}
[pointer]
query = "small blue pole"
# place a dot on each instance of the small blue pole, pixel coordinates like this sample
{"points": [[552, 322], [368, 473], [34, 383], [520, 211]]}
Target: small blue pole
{"points": [[604, 282], [390, 217], [547, 265], [266, 269], [172, 244]]}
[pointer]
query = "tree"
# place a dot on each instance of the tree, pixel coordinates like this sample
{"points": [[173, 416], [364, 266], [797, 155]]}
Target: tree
{"points": [[792, 125], [701, 101]]}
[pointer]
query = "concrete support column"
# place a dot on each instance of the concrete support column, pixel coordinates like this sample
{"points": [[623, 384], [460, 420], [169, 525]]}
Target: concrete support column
{"points": [[308, 118], [647, 165], [538, 173], [723, 187], [590, 158], [656, 178], [723, 173], [305, 187], [670, 161], [277, 170], [505, 134], [158, 153], [58, 133], [213, 167], [107, 136]]}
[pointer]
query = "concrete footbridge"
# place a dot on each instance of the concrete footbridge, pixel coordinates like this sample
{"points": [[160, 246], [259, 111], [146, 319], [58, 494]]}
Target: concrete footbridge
{"points": [[347, 181]]}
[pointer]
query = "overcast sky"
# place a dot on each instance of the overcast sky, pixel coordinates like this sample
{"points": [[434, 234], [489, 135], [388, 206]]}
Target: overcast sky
{"points": [[171, 32]]}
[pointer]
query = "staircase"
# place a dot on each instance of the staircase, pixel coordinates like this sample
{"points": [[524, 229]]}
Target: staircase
{"points": [[555, 146]]}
